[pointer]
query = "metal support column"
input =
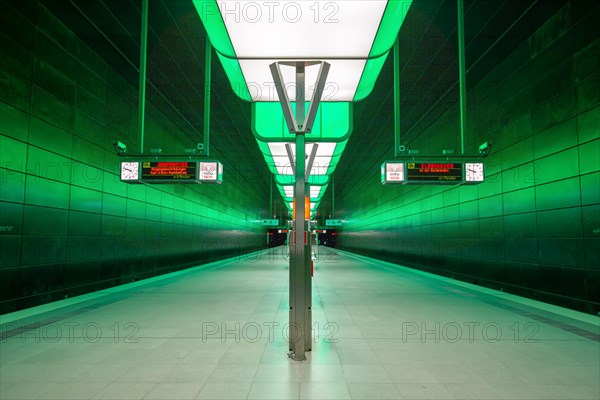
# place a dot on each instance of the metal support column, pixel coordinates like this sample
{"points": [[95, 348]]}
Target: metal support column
{"points": [[207, 84], [333, 196], [298, 300], [307, 271], [271, 197], [462, 74], [142, 86], [397, 96], [300, 334]]}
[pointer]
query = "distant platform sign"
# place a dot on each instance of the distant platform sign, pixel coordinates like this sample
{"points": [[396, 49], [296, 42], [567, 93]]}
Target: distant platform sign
{"points": [[333, 222], [270, 222]]}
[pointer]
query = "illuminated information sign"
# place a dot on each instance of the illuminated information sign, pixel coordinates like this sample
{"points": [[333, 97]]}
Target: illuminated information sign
{"points": [[438, 172], [432, 172], [170, 171]]}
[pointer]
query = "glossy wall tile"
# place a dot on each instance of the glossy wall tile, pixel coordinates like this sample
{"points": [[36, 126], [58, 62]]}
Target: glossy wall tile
{"points": [[67, 224]]}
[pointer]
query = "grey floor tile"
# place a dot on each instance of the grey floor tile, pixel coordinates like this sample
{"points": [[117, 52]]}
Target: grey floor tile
{"points": [[379, 333]]}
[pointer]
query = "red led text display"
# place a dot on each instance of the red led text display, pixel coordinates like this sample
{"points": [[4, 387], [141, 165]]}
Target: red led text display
{"points": [[433, 172], [170, 171]]}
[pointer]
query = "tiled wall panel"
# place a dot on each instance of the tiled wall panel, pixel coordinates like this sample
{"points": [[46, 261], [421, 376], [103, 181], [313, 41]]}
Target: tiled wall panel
{"points": [[533, 227], [67, 224]]}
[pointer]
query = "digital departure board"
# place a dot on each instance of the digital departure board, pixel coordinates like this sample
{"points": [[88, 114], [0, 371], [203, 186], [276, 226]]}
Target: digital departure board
{"points": [[177, 171], [170, 171], [434, 172]]}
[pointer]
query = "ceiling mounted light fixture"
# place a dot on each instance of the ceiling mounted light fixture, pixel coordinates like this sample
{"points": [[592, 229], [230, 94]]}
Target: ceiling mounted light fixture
{"points": [[354, 37]]}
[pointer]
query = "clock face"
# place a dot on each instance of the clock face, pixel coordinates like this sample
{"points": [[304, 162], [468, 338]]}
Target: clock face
{"points": [[130, 171], [474, 172]]}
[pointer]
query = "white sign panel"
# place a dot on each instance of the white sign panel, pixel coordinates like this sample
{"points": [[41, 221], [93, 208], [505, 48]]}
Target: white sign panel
{"points": [[208, 171], [394, 172]]}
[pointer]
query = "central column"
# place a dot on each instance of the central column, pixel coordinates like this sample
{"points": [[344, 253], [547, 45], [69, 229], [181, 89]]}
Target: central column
{"points": [[299, 303]]}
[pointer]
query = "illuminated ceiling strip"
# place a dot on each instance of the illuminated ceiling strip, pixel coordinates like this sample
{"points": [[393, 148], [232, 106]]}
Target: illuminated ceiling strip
{"points": [[315, 180], [247, 24], [333, 122], [331, 131], [280, 166], [325, 162], [342, 85], [316, 192], [254, 33], [288, 191]]}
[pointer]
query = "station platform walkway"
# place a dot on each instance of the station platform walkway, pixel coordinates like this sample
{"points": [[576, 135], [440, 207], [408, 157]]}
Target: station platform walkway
{"points": [[218, 331]]}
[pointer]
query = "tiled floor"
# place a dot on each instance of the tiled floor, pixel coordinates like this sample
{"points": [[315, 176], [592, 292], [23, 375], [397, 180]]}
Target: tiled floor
{"points": [[381, 332]]}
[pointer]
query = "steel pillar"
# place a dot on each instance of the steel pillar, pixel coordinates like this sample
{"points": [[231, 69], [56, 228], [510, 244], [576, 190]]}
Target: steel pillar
{"points": [[462, 74], [300, 334], [142, 85], [299, 303], [207, 86]]}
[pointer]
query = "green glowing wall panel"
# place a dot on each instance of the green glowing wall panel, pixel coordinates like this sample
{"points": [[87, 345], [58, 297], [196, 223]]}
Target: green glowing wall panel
{"points": [[67, 224], [532, 227]]}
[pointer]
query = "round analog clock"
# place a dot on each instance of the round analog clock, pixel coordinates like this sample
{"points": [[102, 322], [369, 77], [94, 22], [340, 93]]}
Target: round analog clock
{"points": [[474, 172], [130, 171]]}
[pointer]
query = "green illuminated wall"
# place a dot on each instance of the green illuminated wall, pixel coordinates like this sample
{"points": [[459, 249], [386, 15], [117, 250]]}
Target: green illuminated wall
{"points": [[67, 224], [533, 227]]}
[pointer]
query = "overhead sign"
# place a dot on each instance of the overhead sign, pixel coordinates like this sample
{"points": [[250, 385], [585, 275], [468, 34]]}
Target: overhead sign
{"points": [[171, 171], [432, 172], [270, 222], [333, 222]]}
